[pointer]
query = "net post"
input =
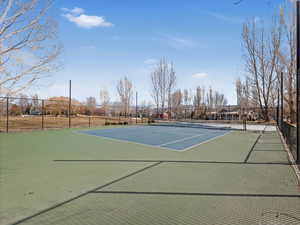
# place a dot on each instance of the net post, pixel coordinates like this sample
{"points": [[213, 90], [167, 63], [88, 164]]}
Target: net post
{"points": [[298, 82], [7, 117], [70, 94], [43, 114], [244, 124], [89, 121]]}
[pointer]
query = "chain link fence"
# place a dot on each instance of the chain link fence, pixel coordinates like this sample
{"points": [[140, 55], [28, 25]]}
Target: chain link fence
{"points": [[289, 133], [224, 113], [21, 114]]}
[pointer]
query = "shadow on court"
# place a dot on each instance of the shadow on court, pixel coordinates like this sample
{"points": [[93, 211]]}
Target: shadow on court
{"points": [[237, 178]]}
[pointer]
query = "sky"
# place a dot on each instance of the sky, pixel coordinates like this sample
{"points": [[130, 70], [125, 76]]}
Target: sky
{"points": [[105, 40]]}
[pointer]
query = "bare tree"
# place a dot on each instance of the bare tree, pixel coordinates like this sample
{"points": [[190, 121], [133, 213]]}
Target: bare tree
{"points": [[187, 100], [239, 92], [144, 109], [198, 99], [210, 98], [171, 82], [35, 102], [177, 100], [163, 80], [91, 105], [261, 48], [155, 90], [219, 101], [24, 104], [104, 100], [28, 44], [187, 97], [287, 55], [243, 92], [124, 88]]}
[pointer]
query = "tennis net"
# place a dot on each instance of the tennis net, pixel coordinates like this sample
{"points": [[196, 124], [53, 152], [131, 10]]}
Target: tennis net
{"points": [[203, 125]]}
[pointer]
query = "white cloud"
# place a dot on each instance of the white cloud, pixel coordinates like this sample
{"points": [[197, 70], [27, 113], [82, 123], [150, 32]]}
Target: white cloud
{"points": [[224, 18], [76, 16], [178, 42], [76, 10], [86, 21], [199, 75]]}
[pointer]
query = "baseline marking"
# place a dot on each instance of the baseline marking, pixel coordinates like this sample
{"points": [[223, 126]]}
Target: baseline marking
{"points": [[208, 140], [183, 139], [167, 161], [197, 194]]}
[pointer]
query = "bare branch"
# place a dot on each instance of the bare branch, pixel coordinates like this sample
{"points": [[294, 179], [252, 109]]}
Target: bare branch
{"points": [[28, 45]]}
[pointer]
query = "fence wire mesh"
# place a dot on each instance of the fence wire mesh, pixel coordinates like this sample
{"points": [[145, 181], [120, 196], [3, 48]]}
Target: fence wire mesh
{"points": [[21, 114], [289, 133]]}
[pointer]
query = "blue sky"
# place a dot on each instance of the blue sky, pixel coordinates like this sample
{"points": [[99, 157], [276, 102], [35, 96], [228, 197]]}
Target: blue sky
{"points": [[105, 40]]}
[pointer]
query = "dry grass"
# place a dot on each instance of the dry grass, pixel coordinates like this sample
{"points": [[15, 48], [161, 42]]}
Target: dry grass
{"points": [[22, 123]]}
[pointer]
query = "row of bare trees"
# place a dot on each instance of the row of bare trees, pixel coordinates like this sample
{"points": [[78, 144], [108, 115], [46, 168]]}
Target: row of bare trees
{"points": [[125, 93], [171, 100], [269, 50]]}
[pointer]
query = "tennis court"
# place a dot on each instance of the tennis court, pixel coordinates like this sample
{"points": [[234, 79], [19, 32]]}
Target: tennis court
{"points": [[134, 175], [167, 137]]}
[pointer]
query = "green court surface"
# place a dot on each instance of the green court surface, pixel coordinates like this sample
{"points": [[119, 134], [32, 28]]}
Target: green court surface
{"points": [[66, 177]]}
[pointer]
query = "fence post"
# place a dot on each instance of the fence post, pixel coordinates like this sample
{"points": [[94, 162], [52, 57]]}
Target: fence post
{"points": [[277, 113], [7, 117], [136, 108], [298, 81], [70, 99], [281, 99], [43, 114]]}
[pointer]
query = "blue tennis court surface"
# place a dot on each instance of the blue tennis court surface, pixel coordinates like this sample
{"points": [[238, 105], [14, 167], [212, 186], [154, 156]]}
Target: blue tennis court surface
{"points": [[173, 138]]}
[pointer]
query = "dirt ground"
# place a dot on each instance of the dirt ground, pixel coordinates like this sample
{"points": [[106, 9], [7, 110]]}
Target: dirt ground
{"points": [[21, 123]]}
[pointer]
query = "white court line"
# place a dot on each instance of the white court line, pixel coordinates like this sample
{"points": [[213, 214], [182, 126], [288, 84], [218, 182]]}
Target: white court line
{"points": [[180, 140], [208, 140], [130, 142], [150, 145]]}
